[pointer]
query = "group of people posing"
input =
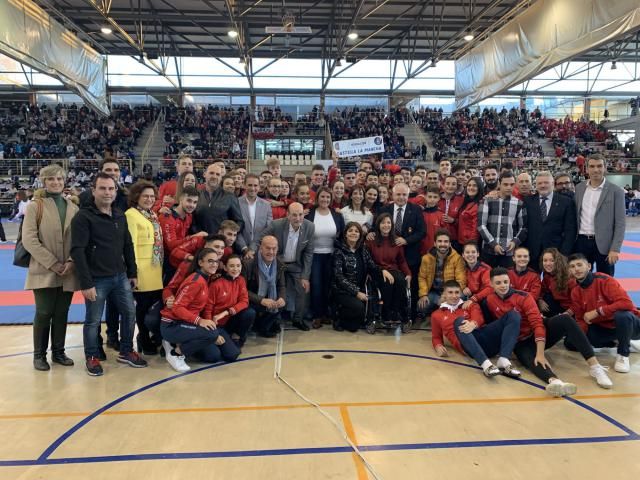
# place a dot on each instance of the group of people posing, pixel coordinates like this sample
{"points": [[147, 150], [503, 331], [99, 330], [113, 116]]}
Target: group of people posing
{"points": [[197, 266]]}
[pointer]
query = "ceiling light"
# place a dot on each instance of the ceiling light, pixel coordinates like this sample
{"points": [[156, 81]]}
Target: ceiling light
{"points": [[106, 30], [614, 66], [468, 37], [353, 35], [233, 33]]}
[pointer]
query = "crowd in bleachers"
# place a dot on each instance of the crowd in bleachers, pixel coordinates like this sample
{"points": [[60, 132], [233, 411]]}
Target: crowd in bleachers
{"points": [[480, 256], [70, 131]]}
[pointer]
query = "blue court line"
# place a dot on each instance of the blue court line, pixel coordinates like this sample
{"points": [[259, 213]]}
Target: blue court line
{"points": [[319, 450], [44, 459], [9, 355]]}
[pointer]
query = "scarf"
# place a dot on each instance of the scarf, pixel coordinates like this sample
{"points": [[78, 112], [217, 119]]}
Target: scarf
{"points": [[267, 279], [451, 308], [158, 252]]}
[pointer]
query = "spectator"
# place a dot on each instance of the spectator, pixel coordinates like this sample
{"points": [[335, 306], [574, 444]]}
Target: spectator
{"points": [[215, 205]]}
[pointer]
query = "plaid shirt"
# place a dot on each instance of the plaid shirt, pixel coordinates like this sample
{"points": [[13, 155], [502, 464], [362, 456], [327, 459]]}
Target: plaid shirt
{"points": [[501, 221]]}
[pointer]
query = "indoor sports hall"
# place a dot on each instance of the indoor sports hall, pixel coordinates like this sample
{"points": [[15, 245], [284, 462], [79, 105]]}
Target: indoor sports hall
{"points": [[519, 86]]}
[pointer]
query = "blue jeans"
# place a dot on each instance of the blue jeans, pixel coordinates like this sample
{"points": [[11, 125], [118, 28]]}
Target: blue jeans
{"points": [[198, 342], [627, 329], [434, 303], [496, 338], [118, 289], [321, 272]]}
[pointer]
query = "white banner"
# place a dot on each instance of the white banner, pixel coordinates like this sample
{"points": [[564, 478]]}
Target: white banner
{"points": [[29, 35], [358, 147], [546, 34]]}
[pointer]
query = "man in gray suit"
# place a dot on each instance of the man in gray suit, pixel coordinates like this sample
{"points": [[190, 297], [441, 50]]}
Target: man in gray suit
{"points": [[295, 249], [256, 213], [601, 217]]}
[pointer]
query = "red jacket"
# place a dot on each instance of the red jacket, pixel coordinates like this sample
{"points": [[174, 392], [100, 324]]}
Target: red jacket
{"points": [[227, 293], [417, 199], [550, 286], [453, 211], [468, 223], [388, 256], [525, 305], [527, 281], [442, 324], [189, 247], [433, 221], [478, 281], [174, 230], [602, 293], [169, 187], [192, 300]]}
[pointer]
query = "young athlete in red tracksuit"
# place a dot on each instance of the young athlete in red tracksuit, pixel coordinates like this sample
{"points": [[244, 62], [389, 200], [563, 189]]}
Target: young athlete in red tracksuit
{"points": [[522, 277], [451, 209], [604, 310], [478, 282], [188, 249], [433, 219], [536, 334], [466, 331], [184, 324], [229, 305], [556, 284]]}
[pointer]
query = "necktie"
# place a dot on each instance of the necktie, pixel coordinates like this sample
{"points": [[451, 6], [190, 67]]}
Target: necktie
{"points": [[543, 208], [398, 225]]}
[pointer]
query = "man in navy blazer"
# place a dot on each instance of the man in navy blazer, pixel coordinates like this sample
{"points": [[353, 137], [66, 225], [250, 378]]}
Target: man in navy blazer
{"points": [[557, 228], [410, 234]]}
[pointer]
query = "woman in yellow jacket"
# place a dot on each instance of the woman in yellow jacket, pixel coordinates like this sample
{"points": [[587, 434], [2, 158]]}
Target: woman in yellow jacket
{"points": [[146, 235], [441, 264]]}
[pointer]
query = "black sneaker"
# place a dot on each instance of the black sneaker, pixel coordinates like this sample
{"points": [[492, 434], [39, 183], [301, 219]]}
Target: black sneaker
{"points": [[93, 367], [102, 355], [41, 364], [114, 344], [62, 359], [132, 359]]}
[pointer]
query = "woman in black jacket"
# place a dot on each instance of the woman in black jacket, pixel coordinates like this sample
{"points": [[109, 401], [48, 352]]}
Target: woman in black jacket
{"points": [[352, 263], [328, 227]]}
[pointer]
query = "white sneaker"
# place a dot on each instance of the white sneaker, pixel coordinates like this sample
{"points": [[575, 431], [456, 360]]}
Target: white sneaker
{"points": [[600, 374], [622, 364], [558, 388], [634, 346], [167, 347], [176, 361]]}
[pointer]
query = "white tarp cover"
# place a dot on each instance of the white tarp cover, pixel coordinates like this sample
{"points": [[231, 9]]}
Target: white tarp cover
{"points": [[29, 35], [546, 34]]}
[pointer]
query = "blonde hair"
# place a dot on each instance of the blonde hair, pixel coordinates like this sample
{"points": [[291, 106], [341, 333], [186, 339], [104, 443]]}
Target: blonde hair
{"points": [[52, 170]]}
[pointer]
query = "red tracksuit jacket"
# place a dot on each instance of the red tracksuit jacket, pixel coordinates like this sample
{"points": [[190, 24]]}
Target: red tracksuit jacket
{"points": [[433, 220], [550, 286], [602, 293], [453, 211], [468, 223], [227, 293], [190, 247], [175, 230], [527, 281], [192, 300], [442, 324], [478, 281], [525, 305]]}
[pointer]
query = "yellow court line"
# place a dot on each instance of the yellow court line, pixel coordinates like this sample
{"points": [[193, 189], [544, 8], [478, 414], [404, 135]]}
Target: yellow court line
{"points": [[351, 433], [251, 408]]}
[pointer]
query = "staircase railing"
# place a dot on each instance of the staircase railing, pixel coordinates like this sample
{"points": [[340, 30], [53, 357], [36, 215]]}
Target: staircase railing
{"points": [[151, 138]]}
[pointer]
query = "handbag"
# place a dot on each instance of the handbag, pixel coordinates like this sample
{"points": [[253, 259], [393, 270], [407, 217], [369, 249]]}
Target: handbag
{"points": [[21, 257]]}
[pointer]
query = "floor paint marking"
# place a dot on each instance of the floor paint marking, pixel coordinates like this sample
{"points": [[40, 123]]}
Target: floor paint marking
{"points": [[351, 433]]}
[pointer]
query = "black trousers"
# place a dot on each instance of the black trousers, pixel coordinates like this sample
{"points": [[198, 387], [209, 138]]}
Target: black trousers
{"points": [[494, 261], [394, 297], [350, 311], [587, 246], [144, 302], [52, 310], [557, 328]]}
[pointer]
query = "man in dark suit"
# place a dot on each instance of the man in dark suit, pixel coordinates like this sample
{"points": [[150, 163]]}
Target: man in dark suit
{"points": [[295, 249], [409, 229], [551, 220], [600, 214]]}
